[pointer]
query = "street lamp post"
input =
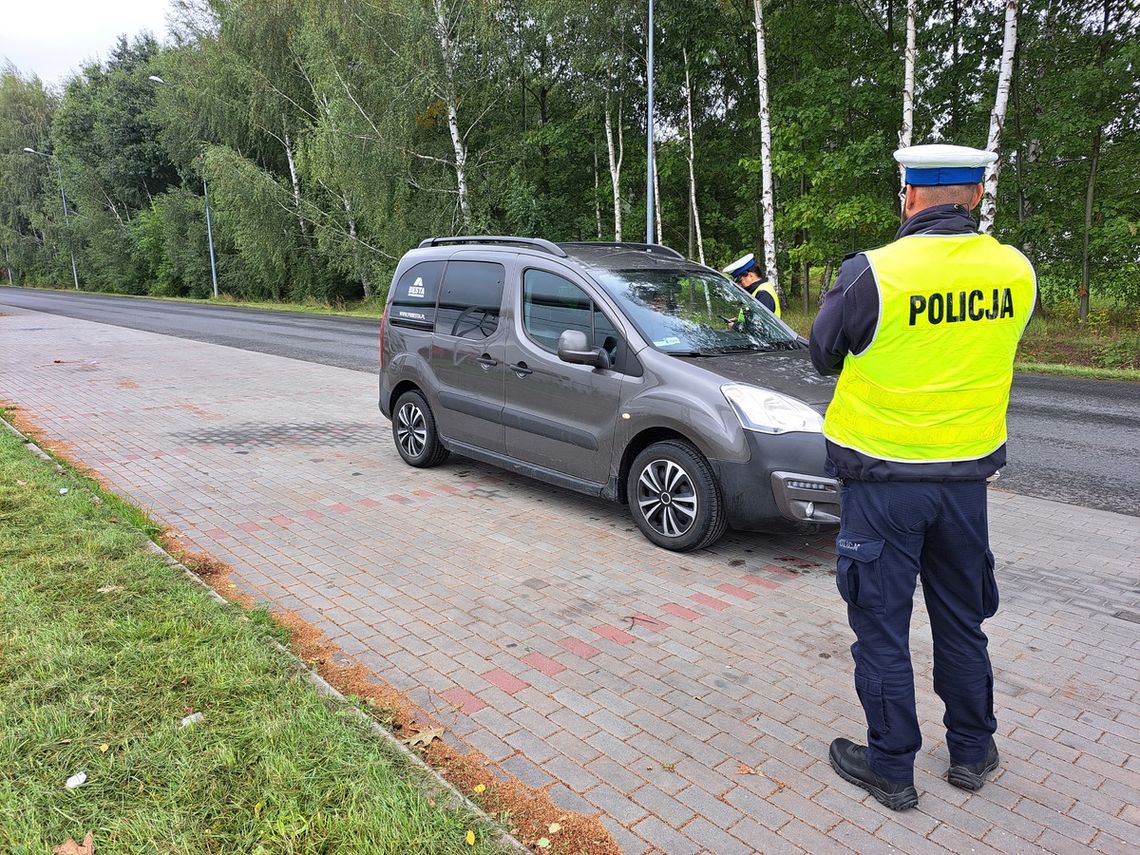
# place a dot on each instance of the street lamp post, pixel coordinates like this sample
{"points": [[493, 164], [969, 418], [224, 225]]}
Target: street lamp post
{"points": [[154, 78], [66, 216], [649, 164]]}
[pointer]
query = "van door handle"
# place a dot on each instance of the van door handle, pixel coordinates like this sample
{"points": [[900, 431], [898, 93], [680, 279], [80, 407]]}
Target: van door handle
{"points": [[487, 361], [521, 369]]}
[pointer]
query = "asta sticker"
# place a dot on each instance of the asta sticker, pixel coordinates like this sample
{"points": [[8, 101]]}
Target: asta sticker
{"points": [[417, 289]]}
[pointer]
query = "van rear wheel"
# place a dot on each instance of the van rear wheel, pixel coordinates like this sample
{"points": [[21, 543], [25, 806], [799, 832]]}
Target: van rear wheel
{"points": [[674, 497], [413, 430]]}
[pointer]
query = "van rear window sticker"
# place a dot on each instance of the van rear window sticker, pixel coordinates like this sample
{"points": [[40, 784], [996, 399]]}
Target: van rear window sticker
{"points": [[417, 288]]}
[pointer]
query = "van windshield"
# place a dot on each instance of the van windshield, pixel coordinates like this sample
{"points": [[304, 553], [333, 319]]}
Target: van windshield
{"points": [[695, 312]]}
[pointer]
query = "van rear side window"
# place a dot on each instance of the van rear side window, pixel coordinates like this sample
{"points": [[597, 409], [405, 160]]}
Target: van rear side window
{"points": [[470, 299], [414, 296]]}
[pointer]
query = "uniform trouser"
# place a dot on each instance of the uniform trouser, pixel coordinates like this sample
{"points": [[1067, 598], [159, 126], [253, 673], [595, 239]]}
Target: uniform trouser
{"points": [[890, 534]]}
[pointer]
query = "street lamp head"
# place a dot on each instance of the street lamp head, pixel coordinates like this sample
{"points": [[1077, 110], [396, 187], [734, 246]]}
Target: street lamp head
{"points": [[154, 78]]}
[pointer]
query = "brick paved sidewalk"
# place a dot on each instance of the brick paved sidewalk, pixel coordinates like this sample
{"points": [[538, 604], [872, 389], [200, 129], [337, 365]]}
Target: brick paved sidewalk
{"points": [[542, 629]]}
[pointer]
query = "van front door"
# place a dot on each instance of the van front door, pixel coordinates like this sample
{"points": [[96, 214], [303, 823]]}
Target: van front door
{"points": [[560, 416]]}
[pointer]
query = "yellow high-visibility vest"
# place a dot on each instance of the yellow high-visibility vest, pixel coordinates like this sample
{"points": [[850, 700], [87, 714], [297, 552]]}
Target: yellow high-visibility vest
{"points": [[933, 385], [766, 287]]}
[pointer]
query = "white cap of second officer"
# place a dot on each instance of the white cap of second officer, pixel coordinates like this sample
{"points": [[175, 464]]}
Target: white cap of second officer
{"points": [[741, 266], [928, 165]]}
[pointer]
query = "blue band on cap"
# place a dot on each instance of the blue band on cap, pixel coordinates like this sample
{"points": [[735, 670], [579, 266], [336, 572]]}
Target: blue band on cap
{"points": [[929, 176], [744, 268]]}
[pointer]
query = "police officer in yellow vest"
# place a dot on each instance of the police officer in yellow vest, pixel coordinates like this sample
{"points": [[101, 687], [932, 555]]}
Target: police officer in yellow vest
{"points": [[745, 272], [922, 333]]}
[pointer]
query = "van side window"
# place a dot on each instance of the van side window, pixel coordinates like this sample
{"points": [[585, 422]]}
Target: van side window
{"points": [[414, 296], [470, 299], [553, 304]]}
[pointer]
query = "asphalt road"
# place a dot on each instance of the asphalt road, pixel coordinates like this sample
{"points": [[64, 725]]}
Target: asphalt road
{"points": [[1075, 441]]}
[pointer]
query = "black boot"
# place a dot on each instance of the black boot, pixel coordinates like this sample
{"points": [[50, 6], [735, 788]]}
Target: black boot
{"points": [[850, 763], [972, 776]]}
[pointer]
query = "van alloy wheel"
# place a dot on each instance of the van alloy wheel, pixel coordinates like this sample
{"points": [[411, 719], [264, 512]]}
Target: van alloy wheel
{"points": [[666, 497], [414, 431], [411, 429], [674, 497]]}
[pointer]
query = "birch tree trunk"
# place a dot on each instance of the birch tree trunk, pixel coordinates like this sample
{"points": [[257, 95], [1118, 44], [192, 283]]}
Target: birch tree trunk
{"points": [[597, 195], [693, 210], [364, 283], [615, 163], [765, 150], [910, 57], [451, 99], [997, 117], [288, 145]]}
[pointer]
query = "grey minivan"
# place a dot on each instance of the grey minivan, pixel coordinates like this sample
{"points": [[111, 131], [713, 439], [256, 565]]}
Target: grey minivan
{"points": [[615, 369]]}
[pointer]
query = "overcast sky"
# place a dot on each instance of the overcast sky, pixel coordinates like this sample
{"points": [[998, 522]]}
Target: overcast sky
{"points": [[53, 38]]}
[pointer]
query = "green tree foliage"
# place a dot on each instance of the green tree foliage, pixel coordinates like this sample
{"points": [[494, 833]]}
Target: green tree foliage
{"points": [[334, 136]]}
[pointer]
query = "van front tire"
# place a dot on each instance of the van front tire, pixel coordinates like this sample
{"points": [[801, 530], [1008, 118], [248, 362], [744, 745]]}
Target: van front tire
{"points": [[674, 497], [414, 432]]}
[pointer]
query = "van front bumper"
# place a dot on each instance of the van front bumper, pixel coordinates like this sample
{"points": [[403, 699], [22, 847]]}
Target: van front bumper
{"points": [[783, 487]]}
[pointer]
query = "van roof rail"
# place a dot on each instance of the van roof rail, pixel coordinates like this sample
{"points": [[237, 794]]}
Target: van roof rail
{"points": [[534, 243], [641, 247]]}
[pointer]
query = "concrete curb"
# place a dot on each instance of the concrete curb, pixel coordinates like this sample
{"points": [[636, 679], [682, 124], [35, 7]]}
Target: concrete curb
{"points": [[438, 786]]}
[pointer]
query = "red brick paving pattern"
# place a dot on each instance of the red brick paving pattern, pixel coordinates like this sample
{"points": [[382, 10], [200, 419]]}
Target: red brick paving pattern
{"points": [[542, 629]]}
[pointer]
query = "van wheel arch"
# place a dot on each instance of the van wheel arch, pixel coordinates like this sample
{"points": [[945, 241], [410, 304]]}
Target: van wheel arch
{"points": [[638, 444], [402, 387]]}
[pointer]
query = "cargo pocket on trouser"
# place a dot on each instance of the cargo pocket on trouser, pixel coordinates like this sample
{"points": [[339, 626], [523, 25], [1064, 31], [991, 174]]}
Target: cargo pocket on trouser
{"points": [[989, 588], [870, 691], [858, 574]]}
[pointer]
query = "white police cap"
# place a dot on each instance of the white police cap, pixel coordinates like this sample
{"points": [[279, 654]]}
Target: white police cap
{"points": [[741, 266], [928, 165]]}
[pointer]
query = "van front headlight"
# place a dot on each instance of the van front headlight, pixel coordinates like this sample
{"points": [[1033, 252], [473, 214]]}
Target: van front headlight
{"points": [[771, 412]]}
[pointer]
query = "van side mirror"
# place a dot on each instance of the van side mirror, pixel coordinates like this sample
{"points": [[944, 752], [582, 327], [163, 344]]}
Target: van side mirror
{"points": [[574, 348]]}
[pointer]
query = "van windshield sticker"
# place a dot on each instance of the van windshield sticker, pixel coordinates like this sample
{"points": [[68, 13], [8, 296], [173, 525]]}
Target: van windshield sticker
{"points": [[667, 342]]}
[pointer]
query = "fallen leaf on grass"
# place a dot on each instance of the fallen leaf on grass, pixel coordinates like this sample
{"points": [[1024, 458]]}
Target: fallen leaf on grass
{"points": [[470, 838], [478, 788], [104, 748], [110, 589], [70, 847], [554, 828], [424, 737], [543, 843], [21, 483]]}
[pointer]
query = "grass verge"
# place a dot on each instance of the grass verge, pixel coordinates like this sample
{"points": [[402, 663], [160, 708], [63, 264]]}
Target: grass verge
{"points": [[104, 649]]}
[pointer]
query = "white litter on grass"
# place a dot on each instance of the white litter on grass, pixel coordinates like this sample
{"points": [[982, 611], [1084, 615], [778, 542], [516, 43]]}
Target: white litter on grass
{"points": [[76, 780], [63, 491], [193, 718]]}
